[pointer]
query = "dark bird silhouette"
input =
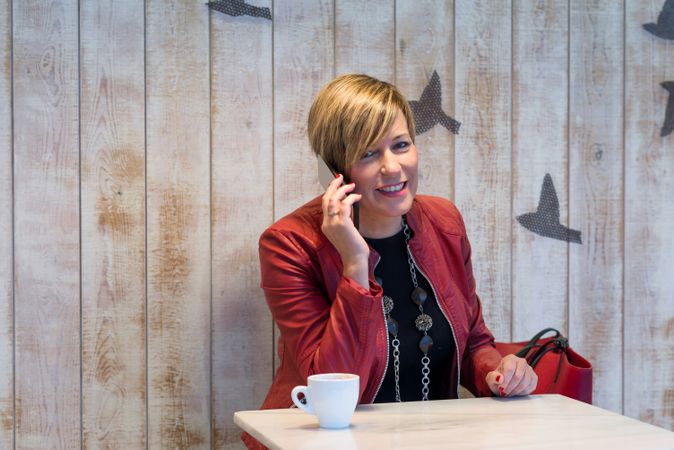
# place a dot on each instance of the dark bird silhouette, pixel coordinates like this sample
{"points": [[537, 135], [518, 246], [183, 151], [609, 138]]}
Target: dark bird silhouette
{"points": [[545, 221], [427, 111], [665, 26], [239, 8], [668, 124]]}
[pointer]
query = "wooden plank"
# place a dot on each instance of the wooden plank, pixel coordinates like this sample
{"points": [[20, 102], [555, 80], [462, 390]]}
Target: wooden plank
{"points": [[47, 231], [364, 38], [424, 44], [6, 236], [178, 224], [540, 147], [483, 155], [242, 168], [649, 221], [113, 224], [596, 192], [303, 64]]}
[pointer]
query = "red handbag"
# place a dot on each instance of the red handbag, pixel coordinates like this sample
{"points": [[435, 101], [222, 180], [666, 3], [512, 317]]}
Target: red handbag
{"points": [[560, 370]]}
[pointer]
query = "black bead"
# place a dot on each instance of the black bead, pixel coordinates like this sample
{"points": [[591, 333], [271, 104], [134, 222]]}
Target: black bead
{"points": [[425, 344], [392, 326], [419, 296]]}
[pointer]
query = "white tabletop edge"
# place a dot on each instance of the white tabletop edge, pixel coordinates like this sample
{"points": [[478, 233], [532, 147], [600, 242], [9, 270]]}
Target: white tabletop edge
{"points": [[384, 425]]}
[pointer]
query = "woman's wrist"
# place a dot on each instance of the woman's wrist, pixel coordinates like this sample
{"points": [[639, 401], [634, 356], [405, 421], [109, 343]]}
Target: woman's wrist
{"points": [[357, 271]]}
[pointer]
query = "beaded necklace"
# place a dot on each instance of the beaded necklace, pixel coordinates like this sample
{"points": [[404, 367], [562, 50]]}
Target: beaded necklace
{"points": [[423, 323]]}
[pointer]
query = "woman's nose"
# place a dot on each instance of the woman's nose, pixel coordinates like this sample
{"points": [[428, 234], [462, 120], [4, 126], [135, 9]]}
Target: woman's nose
{"points": [[389, 163]]}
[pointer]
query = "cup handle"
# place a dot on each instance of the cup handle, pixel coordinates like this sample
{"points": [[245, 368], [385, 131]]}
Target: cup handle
{"points": [[304, 390]]}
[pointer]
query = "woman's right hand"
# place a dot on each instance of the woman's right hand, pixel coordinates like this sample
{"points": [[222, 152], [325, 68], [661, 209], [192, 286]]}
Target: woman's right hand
{"points": [[338, 227]]}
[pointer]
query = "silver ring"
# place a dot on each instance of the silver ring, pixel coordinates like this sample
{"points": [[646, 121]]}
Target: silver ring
{"points": [[333, 213]]}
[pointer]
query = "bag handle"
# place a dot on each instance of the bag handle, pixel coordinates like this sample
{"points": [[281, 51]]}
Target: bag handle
{"points": [[557, 343], [533, 342]]}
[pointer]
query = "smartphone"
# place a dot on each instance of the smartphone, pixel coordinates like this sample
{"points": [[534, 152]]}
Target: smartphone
{"points": [[325, 176]]}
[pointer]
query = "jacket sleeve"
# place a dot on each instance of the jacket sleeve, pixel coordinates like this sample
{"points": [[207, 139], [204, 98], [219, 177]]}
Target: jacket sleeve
{"points": [[320, 334], [480, 356]]}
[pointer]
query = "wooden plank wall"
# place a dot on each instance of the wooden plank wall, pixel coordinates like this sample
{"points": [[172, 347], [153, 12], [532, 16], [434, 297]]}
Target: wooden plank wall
{"points": [[649, 219], [46, 224], [482, 171], [540, 146], [177, 83], [113, 224], [146, 146], [6, 241], [365, 38], [596, 190], [242, 207]]}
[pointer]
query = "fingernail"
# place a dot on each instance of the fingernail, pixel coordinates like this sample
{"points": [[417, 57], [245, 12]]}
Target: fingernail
{"points": [[498, 378], [501, 390], [502, 394], [338, 175]]}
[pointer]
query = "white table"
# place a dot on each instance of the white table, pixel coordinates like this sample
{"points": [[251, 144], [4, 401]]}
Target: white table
{"points": [[534, 422]]}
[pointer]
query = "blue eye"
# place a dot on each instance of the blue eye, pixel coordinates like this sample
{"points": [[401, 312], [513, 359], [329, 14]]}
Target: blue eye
{"points": [[368, 154], [402, 145]]}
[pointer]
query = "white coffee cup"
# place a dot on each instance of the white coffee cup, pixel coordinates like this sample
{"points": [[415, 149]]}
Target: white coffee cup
{"points": [[332, 397]]}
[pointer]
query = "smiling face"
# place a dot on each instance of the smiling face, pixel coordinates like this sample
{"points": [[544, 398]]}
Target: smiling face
{"points": [[387, 177]]}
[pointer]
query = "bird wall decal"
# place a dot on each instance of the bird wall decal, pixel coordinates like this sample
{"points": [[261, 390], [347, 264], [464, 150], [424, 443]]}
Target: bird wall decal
{"points": [[665, 26], [545, 221], [239, 8], [668, 124], [427, 111]]}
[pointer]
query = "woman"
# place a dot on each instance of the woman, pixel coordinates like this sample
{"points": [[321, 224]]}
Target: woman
{"points": [[393, 301]]}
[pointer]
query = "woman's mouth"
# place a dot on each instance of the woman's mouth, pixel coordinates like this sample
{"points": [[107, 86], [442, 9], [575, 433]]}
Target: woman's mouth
{"points": [[393, 190]]}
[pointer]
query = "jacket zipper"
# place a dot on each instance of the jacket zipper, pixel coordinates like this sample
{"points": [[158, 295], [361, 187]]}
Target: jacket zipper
{"points": [[383, 375], [437, 299]]}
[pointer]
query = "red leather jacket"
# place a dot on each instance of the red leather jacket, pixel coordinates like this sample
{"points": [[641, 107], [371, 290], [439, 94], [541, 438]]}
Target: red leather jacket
{"points": [[329, 323]]}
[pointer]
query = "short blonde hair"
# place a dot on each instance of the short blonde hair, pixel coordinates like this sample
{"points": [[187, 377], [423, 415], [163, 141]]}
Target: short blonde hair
{"points": [[351, 114]]}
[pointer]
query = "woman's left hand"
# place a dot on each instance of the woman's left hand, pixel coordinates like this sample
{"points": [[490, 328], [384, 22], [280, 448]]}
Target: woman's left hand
{"points": [[513, 377]]}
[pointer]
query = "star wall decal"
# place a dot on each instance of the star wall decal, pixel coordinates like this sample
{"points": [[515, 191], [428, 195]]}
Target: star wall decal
{"points": [[427, 111], [664, 28], [239, 8], [545, 221]]}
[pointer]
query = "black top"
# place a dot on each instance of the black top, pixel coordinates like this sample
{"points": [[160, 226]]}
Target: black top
{"points": [[394, 272]]}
